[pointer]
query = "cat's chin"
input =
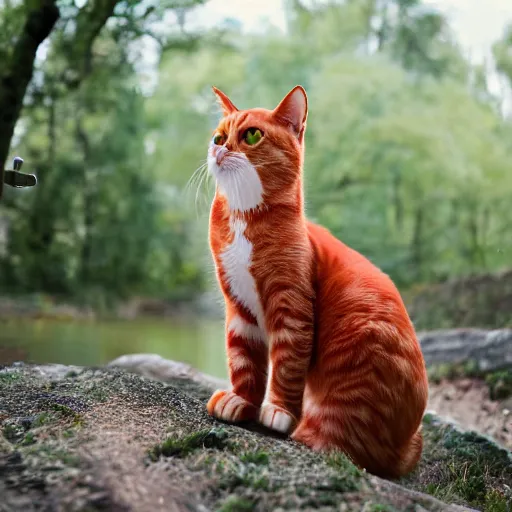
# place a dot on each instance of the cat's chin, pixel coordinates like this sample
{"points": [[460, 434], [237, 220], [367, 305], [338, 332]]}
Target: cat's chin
{"points": [[239, 181]]}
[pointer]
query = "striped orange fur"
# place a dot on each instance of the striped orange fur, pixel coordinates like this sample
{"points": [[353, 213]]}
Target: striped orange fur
{"points": [[319, 343]]}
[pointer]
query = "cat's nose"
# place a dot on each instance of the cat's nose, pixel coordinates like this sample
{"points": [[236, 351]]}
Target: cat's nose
{"points": [[221, 153]]}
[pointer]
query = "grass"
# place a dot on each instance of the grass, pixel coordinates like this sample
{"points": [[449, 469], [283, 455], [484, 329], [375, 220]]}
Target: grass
{"points": [[499, 382], [28, 439], [236, 504], [67, 412], [183, 446], [41, 419], [496, 501], [348, 476], [449, 371], [12, 432], [465, 468], [51, 453], [9, 377], [258, 457]]}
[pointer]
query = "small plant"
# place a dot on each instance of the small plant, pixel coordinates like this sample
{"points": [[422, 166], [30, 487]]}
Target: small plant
{"points": [[236, 504], [428, 419], [12, 432], [377, 507], [67, 434], [28, 439], [496, 501], [259, 457], [349, 475], [182, 447], [67, 412], [472, 471], [41, 419], [9, 377], [500, 385]]}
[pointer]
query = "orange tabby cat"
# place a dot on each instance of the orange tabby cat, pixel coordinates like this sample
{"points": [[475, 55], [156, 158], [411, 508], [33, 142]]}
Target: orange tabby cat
{"points": [[319, 343]]}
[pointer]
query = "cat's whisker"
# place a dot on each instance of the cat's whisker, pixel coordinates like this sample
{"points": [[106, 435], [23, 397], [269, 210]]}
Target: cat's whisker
{"points": [[195, 175], [196, 181]]}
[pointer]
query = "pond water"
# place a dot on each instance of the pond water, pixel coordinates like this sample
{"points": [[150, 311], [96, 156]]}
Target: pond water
{"points": [[90, 343]]}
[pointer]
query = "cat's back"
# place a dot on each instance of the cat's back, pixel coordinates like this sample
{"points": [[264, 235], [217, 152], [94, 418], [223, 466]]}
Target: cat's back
{"points": [[337, 260], [347, 282]]}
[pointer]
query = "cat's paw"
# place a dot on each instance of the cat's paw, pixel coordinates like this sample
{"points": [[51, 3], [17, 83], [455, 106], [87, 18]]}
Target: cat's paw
{"points": [[228, 406], [276, 418]]}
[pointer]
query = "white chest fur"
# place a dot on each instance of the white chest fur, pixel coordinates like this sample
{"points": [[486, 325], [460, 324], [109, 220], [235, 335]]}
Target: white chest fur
{"points": [[236, 263]]}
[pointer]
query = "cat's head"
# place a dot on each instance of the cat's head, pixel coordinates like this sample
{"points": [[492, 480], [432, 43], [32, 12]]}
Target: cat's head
{"points": [[256, 155]]}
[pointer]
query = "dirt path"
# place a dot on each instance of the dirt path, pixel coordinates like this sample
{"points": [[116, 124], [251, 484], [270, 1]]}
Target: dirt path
{"points": [[115, 442], [467, 402]]}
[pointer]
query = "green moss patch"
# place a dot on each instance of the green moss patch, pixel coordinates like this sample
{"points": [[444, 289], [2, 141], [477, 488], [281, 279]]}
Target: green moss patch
{"points": [[463, 467], [449, 371], [236, 504], [9, 377], [259, 457], [183, 446], [500, 384], [348, 476]]}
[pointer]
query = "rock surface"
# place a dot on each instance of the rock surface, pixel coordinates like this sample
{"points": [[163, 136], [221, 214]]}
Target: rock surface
{"points": [[464, 400], [486, 350], [76, 439]]}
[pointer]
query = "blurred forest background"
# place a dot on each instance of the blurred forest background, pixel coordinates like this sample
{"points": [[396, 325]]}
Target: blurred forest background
{"points": [[408, 152]]}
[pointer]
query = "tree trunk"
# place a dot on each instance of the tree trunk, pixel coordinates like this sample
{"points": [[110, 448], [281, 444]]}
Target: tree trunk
{"points": [[16, 70], [88, 215]]}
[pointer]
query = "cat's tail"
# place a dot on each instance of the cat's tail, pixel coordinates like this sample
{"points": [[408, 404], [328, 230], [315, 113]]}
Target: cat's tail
{"points": [[383, 461], [411, 454]]}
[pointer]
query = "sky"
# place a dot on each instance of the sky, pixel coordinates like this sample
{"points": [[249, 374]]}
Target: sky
{"points": [[476, 23]]}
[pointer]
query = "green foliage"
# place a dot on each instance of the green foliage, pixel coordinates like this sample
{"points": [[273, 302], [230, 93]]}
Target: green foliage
{"points": [[236, 504], [377, 507], [98, 226], [28, 439], [402, 157], [349, 476], [260, 457], [407, 150], [438, 372], [184, 446], [500, 384], [483, 300], [9, 377], [68, 413], [470, 469], [12, 432]]}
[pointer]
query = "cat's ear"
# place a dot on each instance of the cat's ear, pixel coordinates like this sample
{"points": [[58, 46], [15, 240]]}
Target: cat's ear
{"points": [[224, 102], [293, 111]]}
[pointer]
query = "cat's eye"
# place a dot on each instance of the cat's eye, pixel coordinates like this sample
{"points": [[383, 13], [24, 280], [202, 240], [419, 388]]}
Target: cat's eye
{"points": [[252, 136], [219, 139]]}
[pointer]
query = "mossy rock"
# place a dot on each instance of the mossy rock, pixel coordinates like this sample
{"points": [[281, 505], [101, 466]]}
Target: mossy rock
{"points": [[463, 467], [91, 439]]}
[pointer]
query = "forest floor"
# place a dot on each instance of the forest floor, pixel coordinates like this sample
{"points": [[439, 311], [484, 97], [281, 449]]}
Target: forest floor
{"points": [[77, 439], [467, 401]]}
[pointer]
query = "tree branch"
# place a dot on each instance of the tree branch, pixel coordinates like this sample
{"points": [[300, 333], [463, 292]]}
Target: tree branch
{"points": [[16, 70]]}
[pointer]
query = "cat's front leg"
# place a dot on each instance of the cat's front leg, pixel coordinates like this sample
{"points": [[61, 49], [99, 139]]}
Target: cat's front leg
{"points": [[247, 353], [290, 334]]}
